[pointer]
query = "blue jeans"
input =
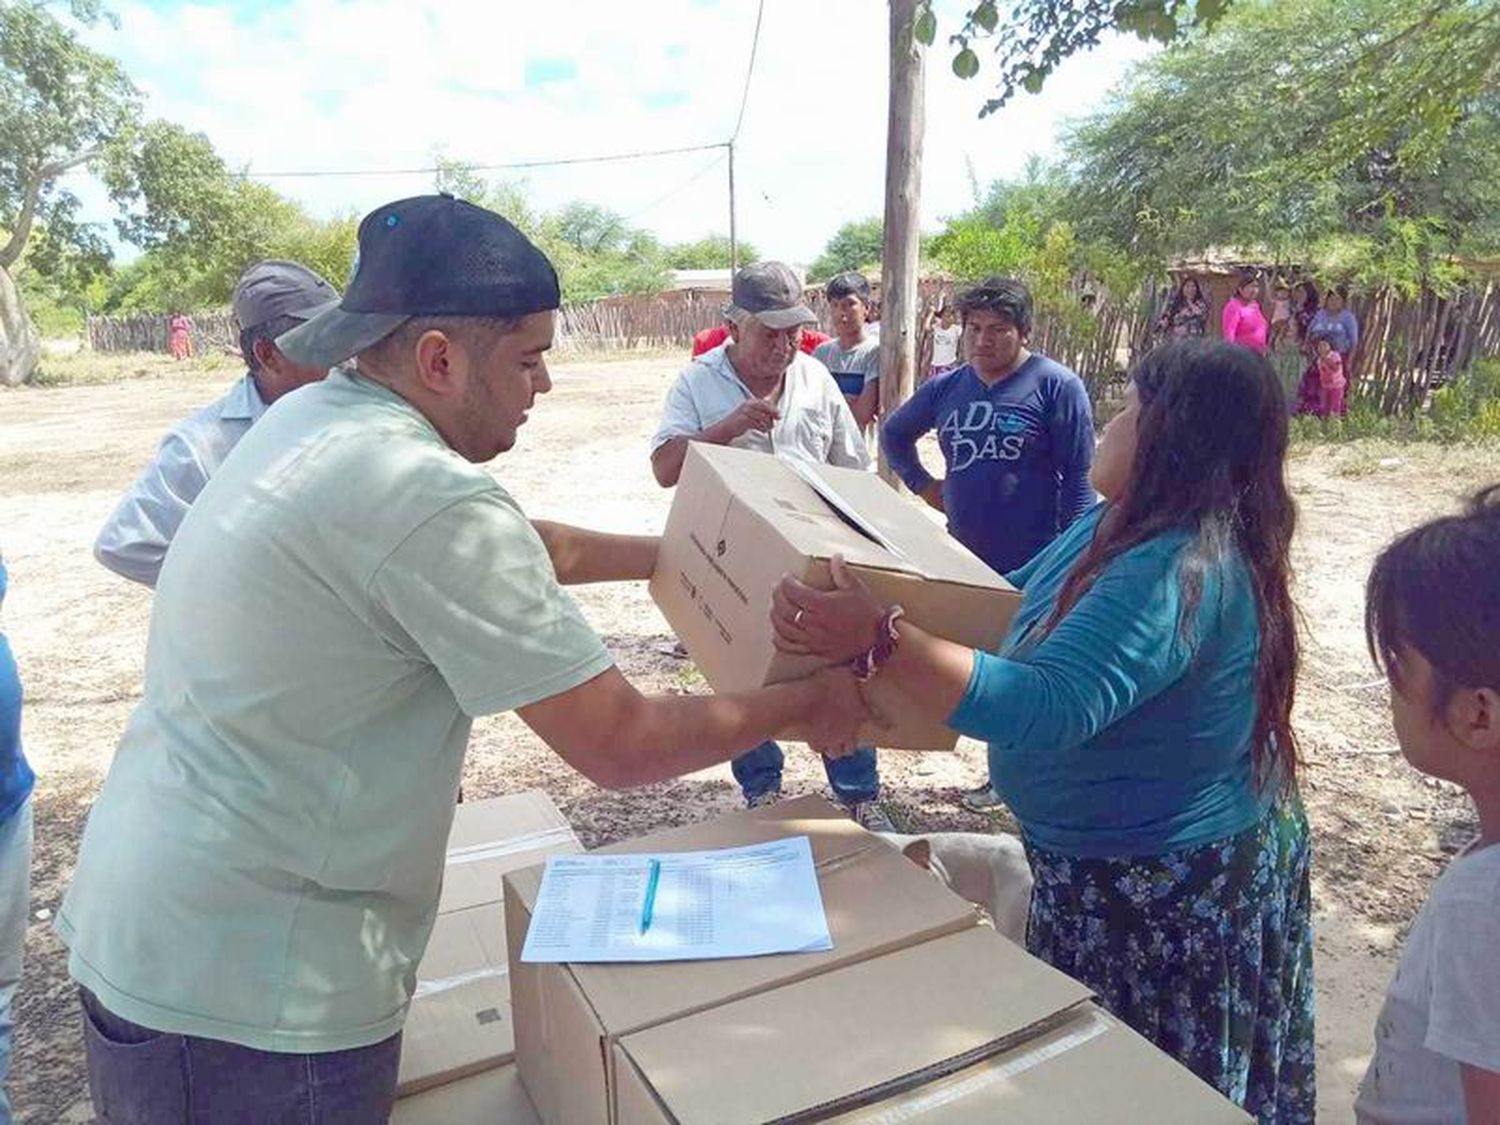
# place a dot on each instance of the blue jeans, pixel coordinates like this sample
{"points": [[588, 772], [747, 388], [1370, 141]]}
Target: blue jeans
{"points": [[855, 778], [138, 1076], [15, 905]]}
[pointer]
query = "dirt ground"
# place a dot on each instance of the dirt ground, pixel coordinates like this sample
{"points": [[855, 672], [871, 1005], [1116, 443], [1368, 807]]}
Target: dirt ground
{"points": [[79, 633]]}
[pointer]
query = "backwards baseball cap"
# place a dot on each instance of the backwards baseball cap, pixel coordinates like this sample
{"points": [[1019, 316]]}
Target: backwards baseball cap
{"points": [[431, 255], [274, 288], [771, 293]]}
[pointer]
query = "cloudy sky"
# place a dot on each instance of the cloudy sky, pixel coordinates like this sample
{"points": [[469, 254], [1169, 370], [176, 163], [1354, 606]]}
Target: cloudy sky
{"points": [[333, 85]]}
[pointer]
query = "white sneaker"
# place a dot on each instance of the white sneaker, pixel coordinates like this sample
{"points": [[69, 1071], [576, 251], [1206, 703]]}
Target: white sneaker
{"points": [[870, 816]]}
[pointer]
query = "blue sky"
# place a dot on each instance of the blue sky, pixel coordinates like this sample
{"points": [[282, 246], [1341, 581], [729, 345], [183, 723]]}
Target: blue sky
{"points": [[387, 84]]}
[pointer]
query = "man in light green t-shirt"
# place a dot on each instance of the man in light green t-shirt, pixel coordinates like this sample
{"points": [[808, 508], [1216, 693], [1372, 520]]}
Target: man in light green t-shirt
{"points": [[260, 874]]}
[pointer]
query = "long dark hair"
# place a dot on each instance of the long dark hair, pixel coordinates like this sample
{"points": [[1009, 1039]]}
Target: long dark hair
{"points": [[1210, 456], [1437, 590]]}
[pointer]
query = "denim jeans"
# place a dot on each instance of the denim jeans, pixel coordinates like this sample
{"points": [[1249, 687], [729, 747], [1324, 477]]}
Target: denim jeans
{"points": [[138, 1076], [15, 906], [855, 778]]}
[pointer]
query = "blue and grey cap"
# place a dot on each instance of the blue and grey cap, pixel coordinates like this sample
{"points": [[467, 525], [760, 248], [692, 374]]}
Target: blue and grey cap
{"points": [[431, 255]]}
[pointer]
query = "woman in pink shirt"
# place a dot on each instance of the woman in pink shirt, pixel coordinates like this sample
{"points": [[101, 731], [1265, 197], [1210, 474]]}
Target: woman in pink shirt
{"points": [[1243, 321]]}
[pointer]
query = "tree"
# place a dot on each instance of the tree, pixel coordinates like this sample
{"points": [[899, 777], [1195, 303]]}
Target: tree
{"points": [[1206, 146], [1040, 34], [711, 252], [61, 106], [856, 245]]}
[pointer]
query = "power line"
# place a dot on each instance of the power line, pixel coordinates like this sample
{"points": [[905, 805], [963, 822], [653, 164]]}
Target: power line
{"points": [[557, 163], [687, 183], [749, 73]]}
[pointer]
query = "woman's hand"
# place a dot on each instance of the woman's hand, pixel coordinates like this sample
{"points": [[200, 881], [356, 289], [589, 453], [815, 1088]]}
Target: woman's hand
{"points": [[833, 730], [836, 624]]}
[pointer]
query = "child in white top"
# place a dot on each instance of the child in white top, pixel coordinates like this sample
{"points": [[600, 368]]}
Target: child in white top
{"points": [[1433, 622]]}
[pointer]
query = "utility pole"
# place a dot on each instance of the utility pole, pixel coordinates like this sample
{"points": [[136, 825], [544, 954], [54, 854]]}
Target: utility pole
{"points": [[905, 126], [734, 245]]}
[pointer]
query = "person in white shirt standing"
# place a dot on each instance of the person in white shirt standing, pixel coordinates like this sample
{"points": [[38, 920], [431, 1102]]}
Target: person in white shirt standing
{"points": [[758, 391], [946, 336], [270, 298], [1432, 617]]}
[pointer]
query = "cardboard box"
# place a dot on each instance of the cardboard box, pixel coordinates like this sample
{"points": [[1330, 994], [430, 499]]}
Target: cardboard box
{"points": [[569, 1017], [495, 1097], [496, 835], [1088, 1068], [803, 1051], [741, 520], [459, 1022]]}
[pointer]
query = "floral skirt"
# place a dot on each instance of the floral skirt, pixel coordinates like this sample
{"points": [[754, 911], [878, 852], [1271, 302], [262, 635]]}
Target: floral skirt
{"points": [[1206, 951]]}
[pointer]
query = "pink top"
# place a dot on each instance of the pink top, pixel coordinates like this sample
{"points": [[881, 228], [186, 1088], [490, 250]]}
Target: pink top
{"points": [[1244, 323], [1331, 371]]}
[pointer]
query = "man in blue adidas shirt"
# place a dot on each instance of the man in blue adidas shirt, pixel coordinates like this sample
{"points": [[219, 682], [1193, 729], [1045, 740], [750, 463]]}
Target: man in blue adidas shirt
{"points": [[1017, 434], [1016, 430]]}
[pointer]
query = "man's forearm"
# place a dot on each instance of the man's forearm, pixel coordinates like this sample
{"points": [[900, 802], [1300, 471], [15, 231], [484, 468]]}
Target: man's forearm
{"points": [[674, 735], [666, 462], [580, 555]]}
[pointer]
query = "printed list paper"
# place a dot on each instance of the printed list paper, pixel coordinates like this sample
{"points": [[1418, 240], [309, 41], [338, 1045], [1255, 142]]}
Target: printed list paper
{"points": [[728, 902]]}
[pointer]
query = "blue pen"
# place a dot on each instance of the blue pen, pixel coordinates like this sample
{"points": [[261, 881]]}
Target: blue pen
{"points": [[648, 907]]}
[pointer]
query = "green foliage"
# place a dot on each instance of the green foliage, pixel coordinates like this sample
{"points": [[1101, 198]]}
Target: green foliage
{"points": [[857, 245], [1208, 145], [1465, 411], [1468, 408], [60, 103], [1039, 34], [711, 252]]}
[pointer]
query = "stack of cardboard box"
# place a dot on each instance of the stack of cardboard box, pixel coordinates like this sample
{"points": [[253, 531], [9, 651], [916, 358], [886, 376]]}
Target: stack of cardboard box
{"points": [[459, 1041], [918, 1013]]}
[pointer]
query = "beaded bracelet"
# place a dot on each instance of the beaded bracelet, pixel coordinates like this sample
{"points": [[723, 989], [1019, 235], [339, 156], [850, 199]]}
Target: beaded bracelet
{"points": [[867, 663]]}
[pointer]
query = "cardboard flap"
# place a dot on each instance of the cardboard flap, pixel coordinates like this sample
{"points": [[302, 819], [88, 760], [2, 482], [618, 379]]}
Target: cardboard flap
{"points": [[907, 528], [891, 1022], [774, 491], [1089, 1067], [828, 828]]}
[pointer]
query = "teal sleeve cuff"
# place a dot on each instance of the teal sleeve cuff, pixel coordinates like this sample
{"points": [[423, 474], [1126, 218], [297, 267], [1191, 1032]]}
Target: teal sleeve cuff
{"points": [[988, 708]]}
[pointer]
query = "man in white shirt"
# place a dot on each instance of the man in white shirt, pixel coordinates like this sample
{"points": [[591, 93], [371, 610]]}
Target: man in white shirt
{"points": [[758, 391], [271, 297]]}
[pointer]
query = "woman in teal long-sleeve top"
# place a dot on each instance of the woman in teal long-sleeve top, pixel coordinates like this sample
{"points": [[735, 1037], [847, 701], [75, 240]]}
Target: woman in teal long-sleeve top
{"points": [[1138, 717]]}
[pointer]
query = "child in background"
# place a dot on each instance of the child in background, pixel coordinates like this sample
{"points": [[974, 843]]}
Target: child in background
{"points": [[1432, 619], [1281, 315], [1331, 379]]}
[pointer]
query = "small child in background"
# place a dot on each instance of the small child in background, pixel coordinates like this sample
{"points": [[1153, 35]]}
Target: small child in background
{"points": [[1281, 315], [1432, 620], [1331, 380]]}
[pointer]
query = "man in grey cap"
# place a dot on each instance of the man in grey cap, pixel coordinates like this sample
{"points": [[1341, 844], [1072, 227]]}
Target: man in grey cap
{"points": [[758, 391], [271, 297], [260, 874]]}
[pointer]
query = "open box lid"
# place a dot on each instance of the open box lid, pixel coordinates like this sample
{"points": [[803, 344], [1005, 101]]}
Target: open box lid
{"points": [[851, 1036], [823, 510]]}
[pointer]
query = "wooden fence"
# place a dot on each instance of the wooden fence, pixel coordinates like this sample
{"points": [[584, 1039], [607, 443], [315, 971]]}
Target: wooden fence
{"points": [[212, 331], [1409, 346]]}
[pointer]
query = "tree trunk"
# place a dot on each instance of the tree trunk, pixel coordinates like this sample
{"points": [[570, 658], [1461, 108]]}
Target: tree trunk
{"points": [[903, 195], [20, 349]]}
